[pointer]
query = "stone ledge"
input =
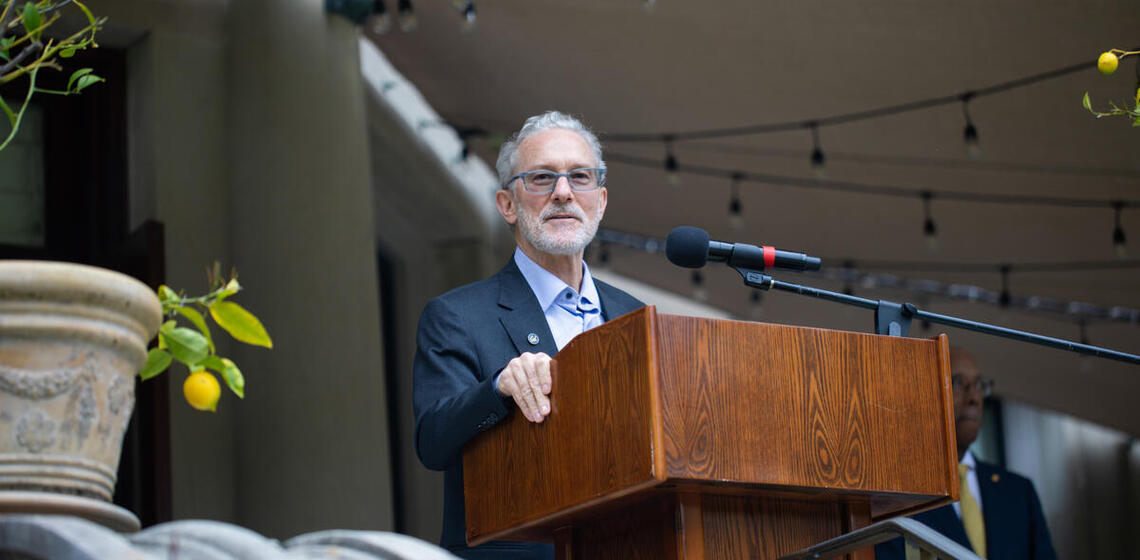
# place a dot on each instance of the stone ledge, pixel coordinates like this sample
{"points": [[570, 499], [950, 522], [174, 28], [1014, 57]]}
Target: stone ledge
{"points": [[71, 538]]}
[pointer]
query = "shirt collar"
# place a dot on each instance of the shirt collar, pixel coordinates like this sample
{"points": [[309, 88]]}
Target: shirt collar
{"points": [[546, 286], [969, 461]]}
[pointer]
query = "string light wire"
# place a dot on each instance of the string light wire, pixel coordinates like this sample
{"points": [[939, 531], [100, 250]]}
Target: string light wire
{"points": [[765, 128], [884, 190]]}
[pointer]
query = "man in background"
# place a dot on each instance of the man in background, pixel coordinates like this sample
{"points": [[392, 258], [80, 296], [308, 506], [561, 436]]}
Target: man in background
{"points": [[998, 515]]}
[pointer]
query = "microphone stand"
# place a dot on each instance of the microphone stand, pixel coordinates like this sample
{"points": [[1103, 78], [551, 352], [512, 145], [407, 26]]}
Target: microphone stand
{"points": [[894, 319]]}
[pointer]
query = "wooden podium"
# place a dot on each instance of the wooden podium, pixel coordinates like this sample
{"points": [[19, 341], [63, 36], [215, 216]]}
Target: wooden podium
{"points": [[681, 437]]}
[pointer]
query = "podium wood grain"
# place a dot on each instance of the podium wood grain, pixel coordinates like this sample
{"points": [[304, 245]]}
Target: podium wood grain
{"points": [[718, 439]]}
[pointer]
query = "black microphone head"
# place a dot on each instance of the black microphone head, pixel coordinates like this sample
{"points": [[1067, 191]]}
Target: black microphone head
{"points": [[688, 246]]}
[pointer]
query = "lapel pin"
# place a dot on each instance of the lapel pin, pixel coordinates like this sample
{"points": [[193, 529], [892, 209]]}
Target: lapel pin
{"points": [[994, 477], [532, 339]]}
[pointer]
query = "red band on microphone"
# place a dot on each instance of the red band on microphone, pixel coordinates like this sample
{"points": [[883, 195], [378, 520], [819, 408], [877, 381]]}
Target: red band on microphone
{"points": [[769, 256]]}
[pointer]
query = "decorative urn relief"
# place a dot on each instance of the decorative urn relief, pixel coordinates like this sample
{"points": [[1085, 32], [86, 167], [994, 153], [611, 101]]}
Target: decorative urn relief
{"points": [[72, 339]]}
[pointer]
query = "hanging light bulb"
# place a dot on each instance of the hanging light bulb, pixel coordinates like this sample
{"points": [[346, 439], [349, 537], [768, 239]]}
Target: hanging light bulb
{"points": [[379, 21], [672, 170], [700, 293], [973, 149], [970, 134], [1119, 242], [818, 160], [1004, 299], [406, 15], [735, 212], [929, 229], [467, 10]]}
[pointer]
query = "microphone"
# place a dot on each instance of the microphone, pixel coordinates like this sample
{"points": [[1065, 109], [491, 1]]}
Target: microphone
{"points": [[690, 247]]}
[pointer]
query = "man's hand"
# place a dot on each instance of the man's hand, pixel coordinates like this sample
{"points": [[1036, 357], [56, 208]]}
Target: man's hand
{"points": [[527, 380]]}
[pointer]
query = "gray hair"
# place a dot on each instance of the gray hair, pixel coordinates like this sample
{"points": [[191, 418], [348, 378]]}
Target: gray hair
{"points": [[509, 153]]}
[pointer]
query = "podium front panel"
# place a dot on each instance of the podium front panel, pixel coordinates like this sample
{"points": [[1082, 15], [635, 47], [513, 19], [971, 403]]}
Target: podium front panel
{"points": [[596, 446], [811, 410]]}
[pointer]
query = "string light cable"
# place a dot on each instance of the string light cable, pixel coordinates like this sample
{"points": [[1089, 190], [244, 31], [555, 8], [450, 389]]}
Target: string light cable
{"points": [[767, 128]]}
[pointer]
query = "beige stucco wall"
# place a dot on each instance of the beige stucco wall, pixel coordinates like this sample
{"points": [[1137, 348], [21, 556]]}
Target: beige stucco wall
{"points": [[248, 141]]}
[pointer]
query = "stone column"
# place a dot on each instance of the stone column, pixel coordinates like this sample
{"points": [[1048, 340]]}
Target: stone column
{"points": [[312, 447]]}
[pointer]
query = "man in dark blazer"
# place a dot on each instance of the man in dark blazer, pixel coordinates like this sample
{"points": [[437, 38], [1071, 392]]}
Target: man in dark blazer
{"points": [[484, 349], [1013, 526]]}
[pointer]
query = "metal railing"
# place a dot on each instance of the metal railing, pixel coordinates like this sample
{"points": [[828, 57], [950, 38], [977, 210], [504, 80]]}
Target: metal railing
{"points": [[922, 542]]}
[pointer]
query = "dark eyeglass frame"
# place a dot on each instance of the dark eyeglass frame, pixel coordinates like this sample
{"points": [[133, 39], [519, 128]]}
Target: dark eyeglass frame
{"points": [[599, 183], [982, 385]]}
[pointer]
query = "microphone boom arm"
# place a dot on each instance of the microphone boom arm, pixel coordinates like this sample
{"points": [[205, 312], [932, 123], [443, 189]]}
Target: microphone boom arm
{"points": [[894, 319]]}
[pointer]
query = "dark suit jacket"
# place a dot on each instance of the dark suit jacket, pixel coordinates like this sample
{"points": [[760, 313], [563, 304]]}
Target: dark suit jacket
{"points": [[465, 338], [1015, 525]]}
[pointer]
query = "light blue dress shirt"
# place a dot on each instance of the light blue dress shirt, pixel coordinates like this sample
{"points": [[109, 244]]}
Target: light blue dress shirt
{"points": [[568, 312]]}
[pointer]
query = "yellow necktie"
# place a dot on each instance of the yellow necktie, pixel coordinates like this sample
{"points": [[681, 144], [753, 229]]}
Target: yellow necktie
{"points": [[971, 513]]}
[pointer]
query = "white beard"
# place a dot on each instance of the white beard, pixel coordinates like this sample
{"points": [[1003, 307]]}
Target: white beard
{"points": [[561, 242]]}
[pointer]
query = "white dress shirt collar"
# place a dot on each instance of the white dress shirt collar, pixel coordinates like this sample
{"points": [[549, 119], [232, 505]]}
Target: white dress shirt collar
{"points": [[971, 479]]}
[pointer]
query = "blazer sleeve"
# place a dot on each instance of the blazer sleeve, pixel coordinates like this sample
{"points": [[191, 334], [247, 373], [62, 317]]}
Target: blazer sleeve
{"points": [[453, 399]]}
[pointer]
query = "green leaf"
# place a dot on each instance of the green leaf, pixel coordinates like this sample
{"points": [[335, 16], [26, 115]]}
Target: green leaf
{"points": [[161, 337], [76, 75], [241, 324], [234, 378], [187, 345], [88, 80], [156, 362], [168, 297], [1136, 122], [32, 20], [1086, 103], [229, 371], [194, 317], [67, 53], [90, 16]]}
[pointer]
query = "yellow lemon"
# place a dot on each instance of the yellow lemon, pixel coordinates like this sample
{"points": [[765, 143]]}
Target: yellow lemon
{"points": [[202, 390], [1107, 63]]}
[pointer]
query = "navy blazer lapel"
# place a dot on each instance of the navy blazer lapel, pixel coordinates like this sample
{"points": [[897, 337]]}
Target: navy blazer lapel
{"points": [[611, 305], [520, 314], [995, 504]]}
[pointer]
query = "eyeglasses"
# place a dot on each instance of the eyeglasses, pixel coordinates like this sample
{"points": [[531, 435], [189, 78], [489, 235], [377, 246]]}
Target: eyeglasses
{"points": [[541, 181], [981, 384]]}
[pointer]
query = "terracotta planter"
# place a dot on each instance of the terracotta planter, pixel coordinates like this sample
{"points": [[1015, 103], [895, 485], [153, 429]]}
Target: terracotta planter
{"points": [[72, 338]]}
